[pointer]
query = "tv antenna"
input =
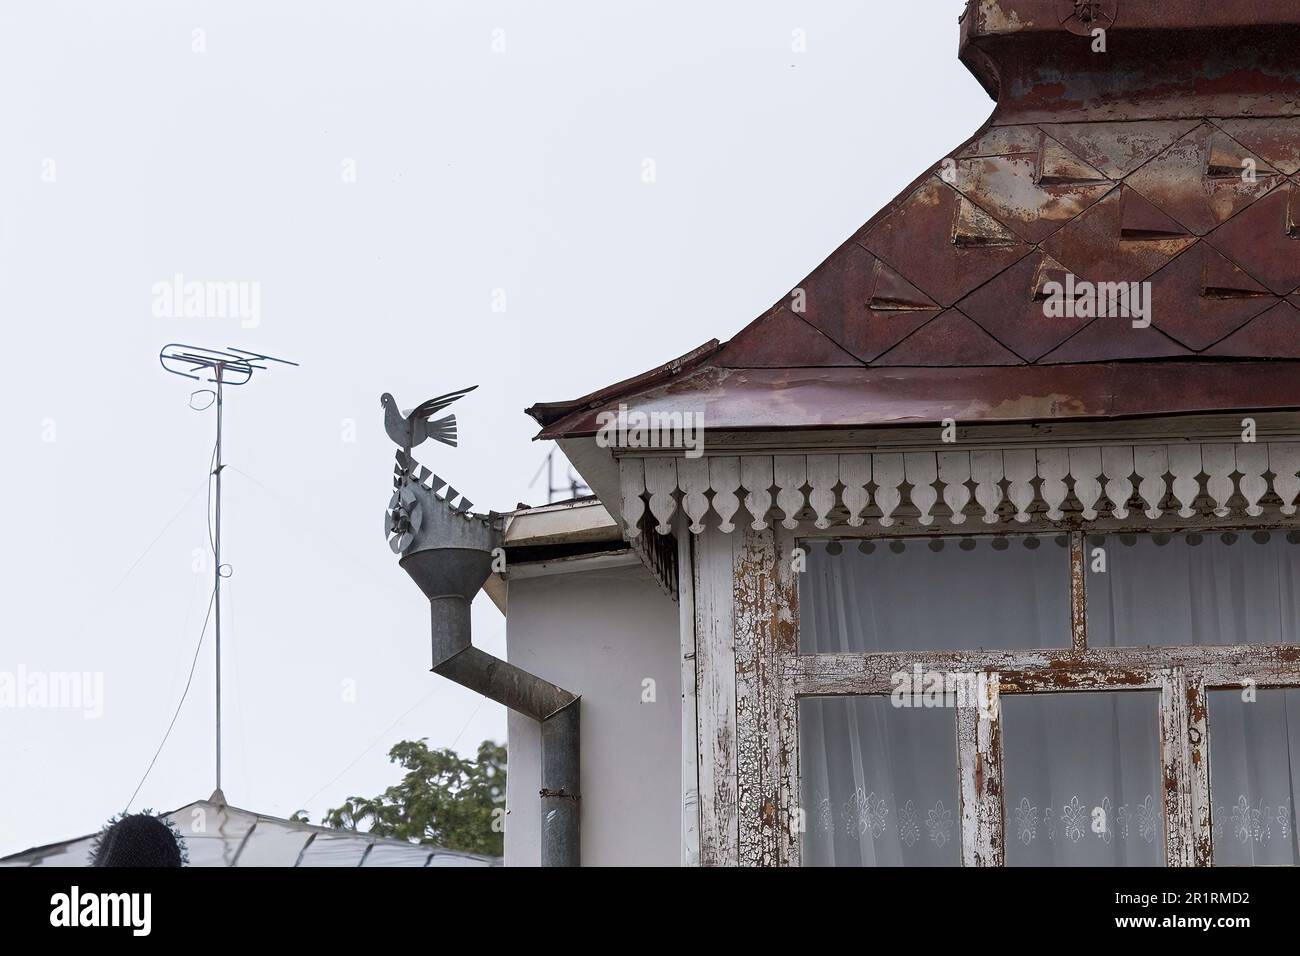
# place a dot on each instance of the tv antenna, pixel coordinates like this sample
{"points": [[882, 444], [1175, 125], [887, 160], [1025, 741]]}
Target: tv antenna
{"points": [[221, 367], [552, 489]]}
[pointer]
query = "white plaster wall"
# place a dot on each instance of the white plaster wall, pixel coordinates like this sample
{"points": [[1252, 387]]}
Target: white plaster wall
{"points": [[600, 633]]}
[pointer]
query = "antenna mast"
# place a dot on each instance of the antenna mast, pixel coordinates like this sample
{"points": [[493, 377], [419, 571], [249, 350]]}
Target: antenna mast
{"points": [[552, 489], [231, 366]]}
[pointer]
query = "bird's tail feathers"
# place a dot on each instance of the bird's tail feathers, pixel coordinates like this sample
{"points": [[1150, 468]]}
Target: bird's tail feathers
{"points": [[443, 430]]}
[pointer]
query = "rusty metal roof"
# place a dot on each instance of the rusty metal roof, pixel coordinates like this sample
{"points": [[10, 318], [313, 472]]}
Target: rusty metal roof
{"points": [[1172, 158]]}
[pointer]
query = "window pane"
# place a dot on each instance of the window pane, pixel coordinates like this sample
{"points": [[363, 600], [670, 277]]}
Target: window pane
{"points": [[1254, 776], [952, 594], [1237, 588], [879, 783], [1081, 778]]}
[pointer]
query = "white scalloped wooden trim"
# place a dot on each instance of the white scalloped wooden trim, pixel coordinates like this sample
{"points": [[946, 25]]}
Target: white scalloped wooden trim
{"points": [[948, 488]]}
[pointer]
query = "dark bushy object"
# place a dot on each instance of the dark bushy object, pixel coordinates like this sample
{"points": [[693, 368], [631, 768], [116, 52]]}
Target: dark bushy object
{"points": [[139, 839]]}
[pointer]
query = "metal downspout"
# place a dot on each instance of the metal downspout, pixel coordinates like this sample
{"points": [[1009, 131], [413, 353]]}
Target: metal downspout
{"points": [[449, 577]]}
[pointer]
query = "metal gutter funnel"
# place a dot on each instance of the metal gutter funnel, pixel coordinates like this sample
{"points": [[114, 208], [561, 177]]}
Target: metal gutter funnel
{"points": [[447, 551]]}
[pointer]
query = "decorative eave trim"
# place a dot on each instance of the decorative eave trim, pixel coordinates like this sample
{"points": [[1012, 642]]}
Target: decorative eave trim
{"points": [[961, 488]]}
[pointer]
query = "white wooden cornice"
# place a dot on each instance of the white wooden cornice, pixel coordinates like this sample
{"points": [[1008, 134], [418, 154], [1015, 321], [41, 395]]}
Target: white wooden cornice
{"points": [[963, 488]]}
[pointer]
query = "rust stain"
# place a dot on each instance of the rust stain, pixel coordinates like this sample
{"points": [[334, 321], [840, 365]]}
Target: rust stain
{"points": [[1102, 165]]}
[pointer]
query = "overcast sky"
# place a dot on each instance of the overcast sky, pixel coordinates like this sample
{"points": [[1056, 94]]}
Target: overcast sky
{"points": [[390, 176]]}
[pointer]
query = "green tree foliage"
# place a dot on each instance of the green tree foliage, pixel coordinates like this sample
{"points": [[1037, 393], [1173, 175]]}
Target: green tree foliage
{"points": [[443, 800]]}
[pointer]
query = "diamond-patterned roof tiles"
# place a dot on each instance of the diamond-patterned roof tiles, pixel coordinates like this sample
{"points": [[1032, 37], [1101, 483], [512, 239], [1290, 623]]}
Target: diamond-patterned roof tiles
{"points": [[1177, 171]]}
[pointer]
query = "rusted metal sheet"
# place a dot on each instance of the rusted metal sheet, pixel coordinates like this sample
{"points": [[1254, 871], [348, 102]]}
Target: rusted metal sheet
{"points": [[1122, 238], [768, 343], [741, 399], [1168, 158], [1036, 57], [1010, 308], [1276, 138], [950, 333], [1027, 180], [937, 225], [1201, 180], [855, 300], [1118, 148], [1201, 297], [1098, 338], [1264, 239], [1277, 331]]}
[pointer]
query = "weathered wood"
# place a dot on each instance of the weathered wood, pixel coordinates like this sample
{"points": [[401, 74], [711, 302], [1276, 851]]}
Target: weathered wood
{"points": [[779, 707], [1117, 465], [756, 477], [1284, 462], [693, 478], [754, 559], [765, 614], [1252, 462], [921, 470], [1175, 769], [1040, 671], [1046, 487], [1021, 466], [661, 482], [748, 676], [632, 479], [823, 475], [1185, 466], [855, 474], [715, 662], [690, 833], [1078, 591], [1219, 462], [1053, 467], [954, 472], [979, 762], [790, 806], [1151, 462], [724, 477], [1198, 752], [790, 472], [986, 472], [887, 473], [1085, 466]]}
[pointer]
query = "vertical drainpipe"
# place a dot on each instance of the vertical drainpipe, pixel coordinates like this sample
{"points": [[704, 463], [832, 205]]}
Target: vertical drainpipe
{"points": [[448, 554]]}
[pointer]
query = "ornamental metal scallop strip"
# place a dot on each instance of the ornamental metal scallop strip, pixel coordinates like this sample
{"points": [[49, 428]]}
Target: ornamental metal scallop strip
{"points": [[1173, 479]]}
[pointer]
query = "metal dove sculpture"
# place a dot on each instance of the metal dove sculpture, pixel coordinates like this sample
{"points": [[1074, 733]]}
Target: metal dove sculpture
{"points": [[411, 428]]}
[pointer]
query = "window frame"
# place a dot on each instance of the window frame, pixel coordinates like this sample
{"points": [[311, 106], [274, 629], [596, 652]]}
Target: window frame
{"points": [[1182, 674]]}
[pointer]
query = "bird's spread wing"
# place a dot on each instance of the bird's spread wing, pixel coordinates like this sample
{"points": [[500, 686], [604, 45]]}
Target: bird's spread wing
{"points": [[434, 405]]}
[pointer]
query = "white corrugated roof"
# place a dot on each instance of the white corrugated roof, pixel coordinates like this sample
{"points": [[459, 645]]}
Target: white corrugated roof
{"points": [[216, 834]]}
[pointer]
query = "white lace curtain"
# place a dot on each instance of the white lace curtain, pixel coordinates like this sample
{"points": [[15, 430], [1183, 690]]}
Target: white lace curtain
{"points": [[1081, 770]]}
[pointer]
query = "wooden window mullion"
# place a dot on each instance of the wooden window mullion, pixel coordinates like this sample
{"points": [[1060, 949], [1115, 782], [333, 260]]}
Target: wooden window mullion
{"points": [[1176, 774], [979, 768], [1078, 587]]}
